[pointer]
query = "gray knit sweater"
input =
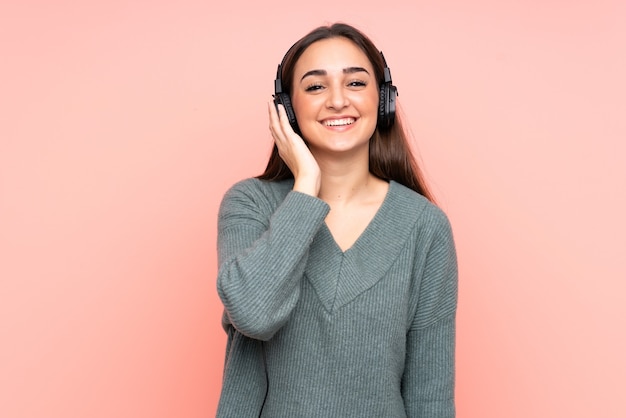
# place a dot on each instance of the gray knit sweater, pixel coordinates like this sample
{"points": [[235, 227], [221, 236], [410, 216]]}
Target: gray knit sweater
{"points": [[317, 332]]}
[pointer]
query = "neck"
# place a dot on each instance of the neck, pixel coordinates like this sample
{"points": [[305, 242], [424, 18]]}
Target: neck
{"points": [[342, 182]]}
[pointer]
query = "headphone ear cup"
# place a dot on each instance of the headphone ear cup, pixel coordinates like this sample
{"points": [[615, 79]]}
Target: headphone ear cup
{"points": [[387, 105], [391, 104], [283, 98], [382, 103], [291, 114]]}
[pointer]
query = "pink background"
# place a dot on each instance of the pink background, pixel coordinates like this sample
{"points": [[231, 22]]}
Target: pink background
{"points": [[123, 122]]}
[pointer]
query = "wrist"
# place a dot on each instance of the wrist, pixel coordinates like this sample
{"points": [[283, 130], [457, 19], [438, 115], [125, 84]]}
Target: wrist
{"points": [[307, 185]]}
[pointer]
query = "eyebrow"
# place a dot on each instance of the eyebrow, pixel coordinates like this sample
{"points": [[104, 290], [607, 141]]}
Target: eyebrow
{"points": [[348, 70]]}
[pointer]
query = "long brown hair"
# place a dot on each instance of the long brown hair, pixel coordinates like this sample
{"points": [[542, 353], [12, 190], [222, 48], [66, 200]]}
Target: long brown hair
{"points": [[390, 156]]}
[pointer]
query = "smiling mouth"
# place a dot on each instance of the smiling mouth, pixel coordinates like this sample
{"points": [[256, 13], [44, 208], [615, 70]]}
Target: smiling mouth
{"points": [[338, 122]]}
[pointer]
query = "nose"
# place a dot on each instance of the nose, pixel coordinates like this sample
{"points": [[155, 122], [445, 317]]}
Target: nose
{"points": [[337, 98]]}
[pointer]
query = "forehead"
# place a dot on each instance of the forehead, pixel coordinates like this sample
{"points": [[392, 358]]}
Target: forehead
{"points": [[332, 54]]}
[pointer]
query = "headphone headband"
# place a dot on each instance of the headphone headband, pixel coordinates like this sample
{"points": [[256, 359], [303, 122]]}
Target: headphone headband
{"points": [[278, 85]]}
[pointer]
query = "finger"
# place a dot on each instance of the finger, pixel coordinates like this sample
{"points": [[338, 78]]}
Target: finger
{"points": [[271, 111], [284, 121], [275, 127]]}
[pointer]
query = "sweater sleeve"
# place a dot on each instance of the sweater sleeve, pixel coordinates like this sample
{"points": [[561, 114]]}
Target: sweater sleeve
{"points": [[428, 380], [262, 256]]}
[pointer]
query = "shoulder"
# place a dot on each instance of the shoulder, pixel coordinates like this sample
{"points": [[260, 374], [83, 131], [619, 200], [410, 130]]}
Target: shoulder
{"points": [[253, 197], [257, 191], [254, 186], [413, 208]]}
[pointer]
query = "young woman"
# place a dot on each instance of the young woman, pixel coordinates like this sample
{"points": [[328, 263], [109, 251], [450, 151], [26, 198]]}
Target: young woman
{"points": [[337, 273]]}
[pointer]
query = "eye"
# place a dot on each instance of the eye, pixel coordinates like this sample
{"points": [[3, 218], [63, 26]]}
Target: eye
{"points": [[357, 83], [314, 87]]}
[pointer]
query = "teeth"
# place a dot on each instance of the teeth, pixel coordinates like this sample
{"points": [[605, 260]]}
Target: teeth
{"points": [[339, 122]]}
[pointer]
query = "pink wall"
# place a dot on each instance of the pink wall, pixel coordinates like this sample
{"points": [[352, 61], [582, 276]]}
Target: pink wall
{"points": [[122, 123]]}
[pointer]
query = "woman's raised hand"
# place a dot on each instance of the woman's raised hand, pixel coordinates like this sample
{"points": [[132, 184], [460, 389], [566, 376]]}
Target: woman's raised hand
{"points": [[294, 152]]}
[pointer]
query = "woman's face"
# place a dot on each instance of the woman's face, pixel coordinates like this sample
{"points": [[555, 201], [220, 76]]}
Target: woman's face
{"points": [[335, 96]]}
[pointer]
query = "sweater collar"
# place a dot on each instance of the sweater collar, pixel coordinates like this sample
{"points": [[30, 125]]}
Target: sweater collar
{"points": [[339, 277]]}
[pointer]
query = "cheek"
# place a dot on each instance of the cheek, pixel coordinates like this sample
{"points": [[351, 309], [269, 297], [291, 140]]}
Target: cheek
{"points": [[298, 104], [302, 106], [369, 102], [300, 112]]}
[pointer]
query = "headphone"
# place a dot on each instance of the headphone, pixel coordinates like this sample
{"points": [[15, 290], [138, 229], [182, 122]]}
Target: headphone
{"points": [[386, 102]]}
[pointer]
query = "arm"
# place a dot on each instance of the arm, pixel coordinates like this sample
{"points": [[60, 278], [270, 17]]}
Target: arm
{"points": [[428, 380], [262, 258]]}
